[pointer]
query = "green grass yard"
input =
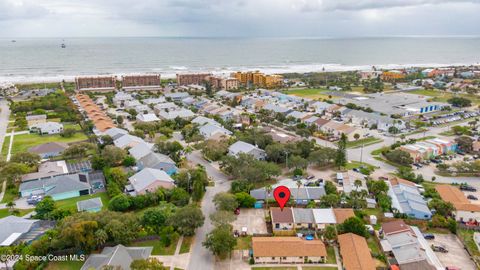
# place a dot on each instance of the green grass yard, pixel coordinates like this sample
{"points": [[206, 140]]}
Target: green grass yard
{"points": [[71, 204], [6, 143], [314, 93], [22, 142], [70, 265], [21, 212], [10, 195], [331, 255], [158, 247], [244, 243], [187, 242]]}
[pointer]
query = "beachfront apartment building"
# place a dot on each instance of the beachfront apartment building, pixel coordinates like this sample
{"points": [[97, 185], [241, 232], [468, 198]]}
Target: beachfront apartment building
{"points": [[258, 79], [96, 84], [149, 82], [192, 78], [393, 75]]}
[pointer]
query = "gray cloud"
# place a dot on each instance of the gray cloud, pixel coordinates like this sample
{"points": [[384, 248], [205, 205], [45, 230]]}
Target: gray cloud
{"points": [[239, 17]]}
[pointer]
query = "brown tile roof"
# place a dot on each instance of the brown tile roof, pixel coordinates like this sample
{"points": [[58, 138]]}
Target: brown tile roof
{"points": [[279, 216], [396, 181], [287, 247], [396, 226], [101, 121], [341, 214], [355, 252], [455, 196]]}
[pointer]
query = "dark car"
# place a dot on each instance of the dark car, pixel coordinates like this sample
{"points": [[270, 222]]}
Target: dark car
{"points": [[471, 197], [237, 211], [467, 187], [429, 236], [439, 248]]}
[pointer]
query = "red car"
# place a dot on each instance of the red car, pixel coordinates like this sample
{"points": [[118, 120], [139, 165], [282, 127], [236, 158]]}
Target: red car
{"points": [[237, 211]]}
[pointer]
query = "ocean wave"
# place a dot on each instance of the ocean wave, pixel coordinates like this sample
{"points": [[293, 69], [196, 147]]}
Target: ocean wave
{"points": [[171, 71]]}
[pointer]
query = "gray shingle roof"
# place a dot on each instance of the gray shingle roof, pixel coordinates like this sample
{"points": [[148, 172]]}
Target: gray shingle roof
{"points": [[118, 256], [147, 176], [13, 227], [56, 185]]}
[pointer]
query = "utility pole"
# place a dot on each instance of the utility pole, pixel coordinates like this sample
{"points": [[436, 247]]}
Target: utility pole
{"points": [[361, 154]]}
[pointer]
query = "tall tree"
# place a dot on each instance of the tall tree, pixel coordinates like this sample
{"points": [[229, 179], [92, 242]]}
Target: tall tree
{"points": [[341, 154]]}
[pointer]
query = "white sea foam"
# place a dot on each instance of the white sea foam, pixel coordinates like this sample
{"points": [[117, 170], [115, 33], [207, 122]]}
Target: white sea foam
{"points": [[171, 71]]}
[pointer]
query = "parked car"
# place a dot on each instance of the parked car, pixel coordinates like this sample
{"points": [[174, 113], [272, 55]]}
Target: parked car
{"points": [[472, 197], [237, 211], [418, 165], [466, 187], [452, 268], [310, 177], [439, 248], [428, 236]]}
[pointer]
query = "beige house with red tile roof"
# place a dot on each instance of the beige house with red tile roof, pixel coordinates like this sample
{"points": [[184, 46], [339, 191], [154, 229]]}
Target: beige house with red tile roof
{"points": [[287, 250], [355, 252]]}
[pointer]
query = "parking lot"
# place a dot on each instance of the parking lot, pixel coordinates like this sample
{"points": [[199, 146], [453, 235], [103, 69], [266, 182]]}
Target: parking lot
{"points": [[253, 219], [456, 256]]}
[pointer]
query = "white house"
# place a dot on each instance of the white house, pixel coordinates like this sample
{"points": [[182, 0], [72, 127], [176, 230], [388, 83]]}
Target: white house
{"points": [[47, 128], [243, 147], [145, 118]]}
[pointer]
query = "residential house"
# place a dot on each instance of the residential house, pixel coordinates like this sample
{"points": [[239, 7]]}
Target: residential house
{"points": [[277, 109], [246, 148], [17, 230], [157, 161], [320, 106], [209, 130], [282, 220], [146, 118], [465, 211], [287, 250], [171, 115], [47, 128], [331, 216], [381, 122], [149, 180], [303, 218], [127, 141], [336, 129], [117, 257], [48, 150], [355, 253], [58, 187], [177, 96], [408, 246], [47, 169], [406, 199], [116, 133], [91, 205], [202, 120], [167, 106], [140, 150], [36, 119], [301, 195], [121, 98]]}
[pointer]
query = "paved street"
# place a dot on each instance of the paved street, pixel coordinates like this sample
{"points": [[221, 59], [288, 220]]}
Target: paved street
{"points": [[200, 257]]}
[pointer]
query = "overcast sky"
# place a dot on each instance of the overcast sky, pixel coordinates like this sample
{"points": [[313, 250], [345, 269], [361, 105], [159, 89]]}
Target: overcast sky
{"points": [[257, 18]]}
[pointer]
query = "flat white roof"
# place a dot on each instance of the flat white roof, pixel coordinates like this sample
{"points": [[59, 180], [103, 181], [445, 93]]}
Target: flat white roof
{"points": [[11, 239]]}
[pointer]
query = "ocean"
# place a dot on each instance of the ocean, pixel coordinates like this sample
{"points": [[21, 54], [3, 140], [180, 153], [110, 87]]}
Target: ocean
{"points": [[43, 59]]}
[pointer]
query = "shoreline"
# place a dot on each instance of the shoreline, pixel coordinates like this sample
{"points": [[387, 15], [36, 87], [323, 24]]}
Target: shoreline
{"points": [[276, 69]]}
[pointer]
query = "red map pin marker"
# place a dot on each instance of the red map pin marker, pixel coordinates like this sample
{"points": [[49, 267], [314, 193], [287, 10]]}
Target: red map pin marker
{"points": [[281, 195]]}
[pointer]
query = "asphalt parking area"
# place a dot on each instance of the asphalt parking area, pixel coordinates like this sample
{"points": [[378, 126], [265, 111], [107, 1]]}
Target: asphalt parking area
{"points": [[457, 255], [253, 219]]}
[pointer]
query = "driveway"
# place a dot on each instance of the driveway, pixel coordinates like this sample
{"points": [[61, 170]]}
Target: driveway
{"points": [[253, 219], [200, 257], [456, 256]]}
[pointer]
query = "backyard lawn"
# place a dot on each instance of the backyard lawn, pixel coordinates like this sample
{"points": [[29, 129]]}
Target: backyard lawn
{"points": [[10, 195], [71, 204], [22, 212], [70, 265], [22, 142], [6, 143], [331, 255], [158, 247], [314, 93], [244, 243]]}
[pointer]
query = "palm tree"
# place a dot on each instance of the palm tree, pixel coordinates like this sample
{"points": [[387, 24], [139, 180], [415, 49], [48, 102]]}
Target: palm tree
{"points": [[268, 190], [357, 183], [11, 206], [299, 184]]}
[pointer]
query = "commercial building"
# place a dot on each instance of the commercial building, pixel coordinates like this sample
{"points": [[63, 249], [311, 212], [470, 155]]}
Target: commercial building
{"points": [[96, 84], [149, 82], [429, 149], [465, 211], [194, 78], [287, 250]]}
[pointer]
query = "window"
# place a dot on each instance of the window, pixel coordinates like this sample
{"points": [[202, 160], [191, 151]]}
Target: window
{"points": [[284, 258], [273, 258]]}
